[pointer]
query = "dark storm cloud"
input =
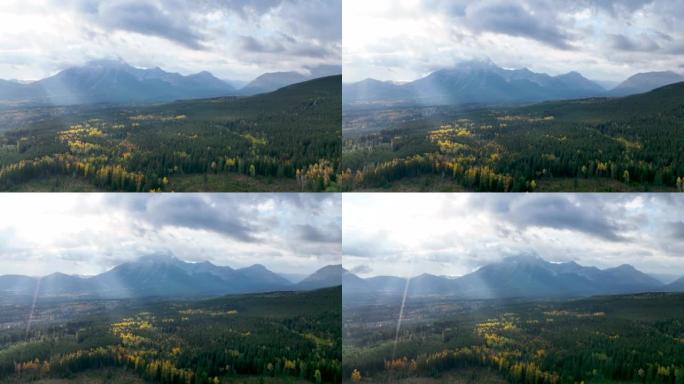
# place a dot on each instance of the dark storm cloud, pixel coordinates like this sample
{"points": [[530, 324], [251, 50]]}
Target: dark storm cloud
{"points": [[197, 213], [603, 40], [361, 269], [555, 211], [515, 20], [244, 7], [624, 43], [250, 44], [317, 234], [235, 216], [89, 234], [144, 17], [191, 211], [613, 7], [232, 39], [677, 230]]}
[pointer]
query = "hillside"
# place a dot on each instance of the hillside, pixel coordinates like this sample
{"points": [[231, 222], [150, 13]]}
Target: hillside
{"points": [[228, 339], [217, 144], [667, 100], [644, 82], [585, 145]]}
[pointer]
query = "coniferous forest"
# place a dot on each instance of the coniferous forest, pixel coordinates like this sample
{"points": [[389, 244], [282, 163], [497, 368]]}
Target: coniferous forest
{"points": [[287, 140], [281, 337], [601, 144], [630, 339]]}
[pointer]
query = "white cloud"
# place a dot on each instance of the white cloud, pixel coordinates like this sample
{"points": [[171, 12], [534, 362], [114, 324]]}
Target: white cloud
{"points": [[39, 38], [454, 234], [90, 233], [603, 40]]}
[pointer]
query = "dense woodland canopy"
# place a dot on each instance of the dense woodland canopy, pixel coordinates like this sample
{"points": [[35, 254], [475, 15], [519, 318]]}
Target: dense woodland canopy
{"points": [[637, 338], [277, 335], [291, 134], [633, 143]]}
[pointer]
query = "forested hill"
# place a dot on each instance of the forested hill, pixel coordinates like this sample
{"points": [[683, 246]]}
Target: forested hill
{"points": [[287, 140], [667, 100]]}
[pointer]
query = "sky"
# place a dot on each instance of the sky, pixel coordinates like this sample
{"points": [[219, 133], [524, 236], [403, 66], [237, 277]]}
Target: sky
{"points": [[233, 39], [87, 234], [454, 234], [402, 40]]}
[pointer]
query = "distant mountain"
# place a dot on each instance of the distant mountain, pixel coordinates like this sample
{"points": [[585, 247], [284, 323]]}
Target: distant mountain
{"points": [[675, 286], [269, 82], [523, 276], [371, 90], [163, 275], [328, 276], [474, 82], [114, 81], [266, 279], [644, 82]]}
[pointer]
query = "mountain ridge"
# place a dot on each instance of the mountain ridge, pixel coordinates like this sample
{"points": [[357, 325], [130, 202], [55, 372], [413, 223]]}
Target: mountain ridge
{"points": [[483, 82], [117, 82], [161, 275], [525, 276]]}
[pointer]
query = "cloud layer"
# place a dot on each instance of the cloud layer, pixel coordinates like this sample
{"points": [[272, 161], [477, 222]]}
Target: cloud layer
{"points": [[234, 39], [603, 39], [454, 234], [88, 234]]}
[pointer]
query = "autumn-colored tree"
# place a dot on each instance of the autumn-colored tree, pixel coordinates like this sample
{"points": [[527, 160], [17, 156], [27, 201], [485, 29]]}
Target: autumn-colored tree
{"points": [[356, 376]]}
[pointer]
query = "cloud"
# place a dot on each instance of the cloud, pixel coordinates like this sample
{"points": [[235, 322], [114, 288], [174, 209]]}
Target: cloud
{"points": [[90, 234], [624, 43], [248, 43], [603, 40], [514, 20], [316, 234], [559, 212], [231, 39], [454, 234], [361, 269], [677, 231], [144, 17]]}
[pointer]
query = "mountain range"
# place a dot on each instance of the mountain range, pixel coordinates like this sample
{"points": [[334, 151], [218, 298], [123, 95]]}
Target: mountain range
{"points": [[520, 276], [162, 275], [483, 82], [115, 81]]}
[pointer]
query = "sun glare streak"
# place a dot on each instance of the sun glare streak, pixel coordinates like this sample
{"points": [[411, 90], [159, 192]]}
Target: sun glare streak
{"points": [[401, 315], [33, 307], [401, 309]]}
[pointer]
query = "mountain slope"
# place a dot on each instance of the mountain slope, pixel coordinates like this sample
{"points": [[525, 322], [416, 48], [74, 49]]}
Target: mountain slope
{"points": [[665, 100], [644, 82], [329, 276], [474, 82], [269, 82], [113, 81], [675, 286]]}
